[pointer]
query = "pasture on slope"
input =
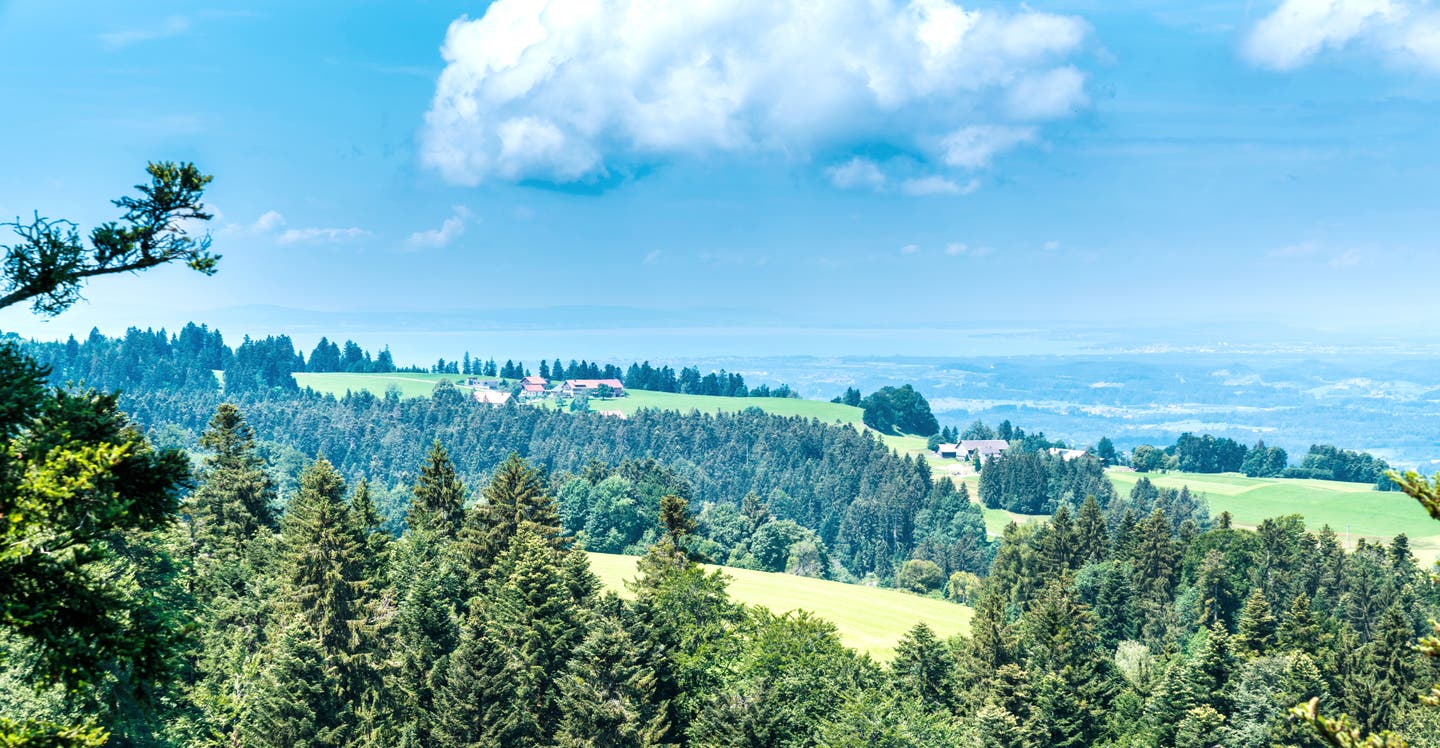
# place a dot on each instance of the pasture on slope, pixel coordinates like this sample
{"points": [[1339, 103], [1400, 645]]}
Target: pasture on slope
{"points": [[869, 619], [1352, 510], [420, 385]]}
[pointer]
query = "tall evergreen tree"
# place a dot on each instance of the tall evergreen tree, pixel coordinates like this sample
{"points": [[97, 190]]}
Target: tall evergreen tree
{"points": [[1255, 634], [1092, 539], [514, 499], [323, 665], [517, 645], [233, 501], [439, 501], [923, 668]]}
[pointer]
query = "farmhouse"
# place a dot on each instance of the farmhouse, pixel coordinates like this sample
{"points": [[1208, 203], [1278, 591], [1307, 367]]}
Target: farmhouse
{"points": [[611, 414], [966, 448], [592, 387], [1067, 454], [491, 397], [533, 387]]}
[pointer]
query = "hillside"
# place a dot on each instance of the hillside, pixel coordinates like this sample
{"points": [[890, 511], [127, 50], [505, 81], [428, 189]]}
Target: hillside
{"points": [[420, 385], [870, 619], [1351, 509]]}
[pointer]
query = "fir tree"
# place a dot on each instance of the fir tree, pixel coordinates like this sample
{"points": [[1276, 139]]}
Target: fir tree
{"points": [[323, 665], [1092, 540], [439, 501], [1298, 631], [1255, 634], [233, 501], [923, 668]]}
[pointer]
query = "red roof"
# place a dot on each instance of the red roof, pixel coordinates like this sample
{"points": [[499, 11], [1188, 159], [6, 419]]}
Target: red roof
{"points": [[534, 380], [532, 387]]}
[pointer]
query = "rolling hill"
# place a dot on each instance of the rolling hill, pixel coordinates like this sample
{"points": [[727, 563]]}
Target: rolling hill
{"points": [[870, 619]]}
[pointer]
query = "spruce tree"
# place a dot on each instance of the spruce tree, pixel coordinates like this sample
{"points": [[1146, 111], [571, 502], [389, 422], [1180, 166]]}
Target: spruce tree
{"points": [[605, 688], [1058, 544], [1076, 677], [233, 500], [514, 499], [923, 668], [1092, 539], [1255, 634], [231, 544], [439, 502], [1298, 631], [323, 664], [502, 685], [1213, 589]]}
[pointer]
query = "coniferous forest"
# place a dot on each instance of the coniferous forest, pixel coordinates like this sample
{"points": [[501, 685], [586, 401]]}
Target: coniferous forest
{"points": [[415, 574]]}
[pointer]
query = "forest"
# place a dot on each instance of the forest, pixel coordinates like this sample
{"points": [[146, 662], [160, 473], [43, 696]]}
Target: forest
{"points": [[480, 624], [172, 591]]}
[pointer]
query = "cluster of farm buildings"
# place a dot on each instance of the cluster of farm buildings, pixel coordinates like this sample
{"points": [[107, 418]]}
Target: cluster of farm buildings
{"points": [[496, 392], [983, 449]]}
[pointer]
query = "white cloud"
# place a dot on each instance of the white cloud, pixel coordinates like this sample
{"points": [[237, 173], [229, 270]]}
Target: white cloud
{"points": [[973, 147], [267, 222], [958, 249], [857, 172], [1051, 246], [934, 185], [293, 236], [652, 257], [170, 27], [271, 221], [1048, 94], [1297, 31], [575, 90], [909, 249], [449, 231]]}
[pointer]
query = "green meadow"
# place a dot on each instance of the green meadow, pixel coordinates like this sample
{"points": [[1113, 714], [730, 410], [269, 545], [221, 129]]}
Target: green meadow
{"points": [[409, 385], [419, 385], [1351, 509], [869, 619]]}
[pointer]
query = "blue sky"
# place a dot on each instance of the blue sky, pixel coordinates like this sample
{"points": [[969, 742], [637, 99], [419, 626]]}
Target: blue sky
{"points": [[881, 165]]}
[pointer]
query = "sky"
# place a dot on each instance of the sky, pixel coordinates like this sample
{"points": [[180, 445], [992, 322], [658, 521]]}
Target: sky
{"points": [[572, 169]]}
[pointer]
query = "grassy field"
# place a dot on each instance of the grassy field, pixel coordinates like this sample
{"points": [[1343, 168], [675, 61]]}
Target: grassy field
{"points": [[410, 385], [1356, 508], [869, 619], [419, 385], [781, 406]]}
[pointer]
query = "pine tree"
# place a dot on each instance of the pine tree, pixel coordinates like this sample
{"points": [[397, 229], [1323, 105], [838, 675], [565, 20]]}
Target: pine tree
{"points": [[322, 667], [439, 501], [923, 668], [515, 648], [1255, 634], [514, 499], [1092, 539], [1298, 631], [233, 501]]}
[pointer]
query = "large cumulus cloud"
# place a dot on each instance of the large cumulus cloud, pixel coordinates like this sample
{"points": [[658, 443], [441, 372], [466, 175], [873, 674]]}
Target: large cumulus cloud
{"points": [[1404, 32], [574, 90]]}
